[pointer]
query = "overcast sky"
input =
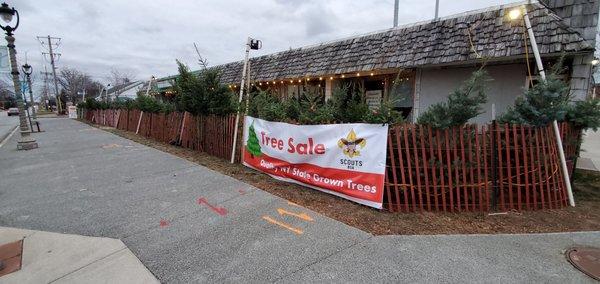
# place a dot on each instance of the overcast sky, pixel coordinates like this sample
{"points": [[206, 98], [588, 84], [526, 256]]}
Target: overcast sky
{"points": [[145, 36]]}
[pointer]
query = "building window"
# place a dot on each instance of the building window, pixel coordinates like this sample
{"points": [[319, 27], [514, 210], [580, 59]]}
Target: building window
{"points": [[402, 91]]}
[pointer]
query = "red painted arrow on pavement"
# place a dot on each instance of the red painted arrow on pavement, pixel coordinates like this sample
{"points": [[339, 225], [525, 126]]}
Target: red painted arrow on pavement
{"points": [[219, 210]]}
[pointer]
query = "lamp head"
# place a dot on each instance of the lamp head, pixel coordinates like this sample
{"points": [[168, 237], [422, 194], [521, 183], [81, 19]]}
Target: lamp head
{"points": [[514, 14], [7, 14], [595, 61], [27, 69]]}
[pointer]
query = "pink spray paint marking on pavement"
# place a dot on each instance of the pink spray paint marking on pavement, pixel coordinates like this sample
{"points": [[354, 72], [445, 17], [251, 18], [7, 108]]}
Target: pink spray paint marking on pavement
{"points": [[219, 210], [164, 223]]}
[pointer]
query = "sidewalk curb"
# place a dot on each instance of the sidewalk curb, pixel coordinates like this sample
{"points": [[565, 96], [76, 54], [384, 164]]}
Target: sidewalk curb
{"points": [[7, 136]]}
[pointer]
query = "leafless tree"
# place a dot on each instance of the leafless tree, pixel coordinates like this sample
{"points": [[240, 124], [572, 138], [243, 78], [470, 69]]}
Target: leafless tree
{"points": [[119, 78], [201, 60], [73, 82]]}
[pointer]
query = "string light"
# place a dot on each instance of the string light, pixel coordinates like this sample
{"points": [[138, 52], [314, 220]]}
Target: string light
{"points": [[321, 78]]}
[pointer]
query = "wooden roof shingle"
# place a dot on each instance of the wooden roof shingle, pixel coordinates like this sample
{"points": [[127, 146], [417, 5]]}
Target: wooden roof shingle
{"points": [[439, 42]]}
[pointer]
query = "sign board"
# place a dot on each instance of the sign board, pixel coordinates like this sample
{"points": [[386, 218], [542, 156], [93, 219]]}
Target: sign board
{"points": [[4, 59], [24, 87], [347, 160], [72, 111], [373, 99]]}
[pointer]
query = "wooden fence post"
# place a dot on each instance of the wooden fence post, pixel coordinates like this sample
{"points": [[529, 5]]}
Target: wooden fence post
{"points": [[137, 130]]}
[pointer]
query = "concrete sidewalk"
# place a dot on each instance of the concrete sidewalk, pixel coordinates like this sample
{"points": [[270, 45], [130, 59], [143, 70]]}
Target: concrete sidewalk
{"points": [[60, 258], [187, 223], [590, 151]]}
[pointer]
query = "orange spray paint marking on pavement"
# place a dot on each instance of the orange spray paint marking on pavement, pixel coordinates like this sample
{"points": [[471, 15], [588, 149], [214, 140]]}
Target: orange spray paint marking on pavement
{"points": [[282, 224], [302, 216], [293, 204]]}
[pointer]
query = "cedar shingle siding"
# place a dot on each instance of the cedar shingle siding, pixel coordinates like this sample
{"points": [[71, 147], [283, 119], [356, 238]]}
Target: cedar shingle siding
{"points": [[581, 15], [445, 41]]}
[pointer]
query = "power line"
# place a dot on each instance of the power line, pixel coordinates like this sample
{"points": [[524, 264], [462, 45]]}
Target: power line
{"points": [[51, 53]]}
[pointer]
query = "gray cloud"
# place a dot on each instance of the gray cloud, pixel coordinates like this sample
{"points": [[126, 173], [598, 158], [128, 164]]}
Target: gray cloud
{"points": [[147, 36]]}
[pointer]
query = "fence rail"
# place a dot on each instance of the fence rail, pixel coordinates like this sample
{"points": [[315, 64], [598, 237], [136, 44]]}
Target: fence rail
{"points": [[210, 134], [474, 168], [469, 168]]}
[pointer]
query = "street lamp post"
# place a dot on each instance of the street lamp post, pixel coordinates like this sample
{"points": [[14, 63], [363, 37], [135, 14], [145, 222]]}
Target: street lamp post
{"points": [[26, 142], [28, 70]]}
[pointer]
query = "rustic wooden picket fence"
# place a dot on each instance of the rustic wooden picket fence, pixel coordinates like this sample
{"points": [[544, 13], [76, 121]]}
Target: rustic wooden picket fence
{"points": [[210, 134], [474, 168], [469, 168]]}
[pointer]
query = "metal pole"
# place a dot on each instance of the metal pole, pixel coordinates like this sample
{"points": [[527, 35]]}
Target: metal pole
{"points": [[26, 142], [561, 153], [26, 105], [248, 84], [58, 102], [237, 117], [437, 9], [33, 112], [396, 7], [495, 190], [534, 47], [149, 84]]}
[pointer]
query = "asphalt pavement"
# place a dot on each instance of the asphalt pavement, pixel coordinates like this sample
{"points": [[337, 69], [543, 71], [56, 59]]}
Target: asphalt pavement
{"points": [[7, 124], [187, 223]]}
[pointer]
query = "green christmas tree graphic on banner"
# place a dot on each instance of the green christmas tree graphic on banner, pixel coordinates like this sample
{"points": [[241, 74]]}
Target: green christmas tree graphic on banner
{"points": [[252, 144]]}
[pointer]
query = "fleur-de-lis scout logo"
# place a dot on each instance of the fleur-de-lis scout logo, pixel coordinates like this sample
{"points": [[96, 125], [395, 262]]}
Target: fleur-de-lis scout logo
{"points": [[350, 144]]}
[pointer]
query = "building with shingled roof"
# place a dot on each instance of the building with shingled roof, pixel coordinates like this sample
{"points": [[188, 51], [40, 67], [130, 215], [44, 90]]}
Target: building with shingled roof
{"points": [[419, 64]]}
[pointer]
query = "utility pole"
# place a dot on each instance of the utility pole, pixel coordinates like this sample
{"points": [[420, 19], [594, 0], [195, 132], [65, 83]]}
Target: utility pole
{"points": [[52, 62], [45, 73], [396, 7]]}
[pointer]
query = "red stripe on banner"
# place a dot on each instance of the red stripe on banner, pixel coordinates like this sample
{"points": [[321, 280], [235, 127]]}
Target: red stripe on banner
{"points": [[360, 187]]}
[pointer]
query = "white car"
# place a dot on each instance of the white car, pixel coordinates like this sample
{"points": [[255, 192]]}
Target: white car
{"points": [[13, 111]]}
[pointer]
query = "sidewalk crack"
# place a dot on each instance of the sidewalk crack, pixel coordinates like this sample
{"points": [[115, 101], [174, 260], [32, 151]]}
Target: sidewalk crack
{"points": [[80, 268], [321, 259]]}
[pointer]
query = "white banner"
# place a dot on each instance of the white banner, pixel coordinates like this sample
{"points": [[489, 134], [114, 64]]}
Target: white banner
{"points": [[347, 160]]}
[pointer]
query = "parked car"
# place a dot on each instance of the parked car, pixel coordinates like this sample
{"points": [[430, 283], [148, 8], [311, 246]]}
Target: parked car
{"points": [[13, 111]]}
